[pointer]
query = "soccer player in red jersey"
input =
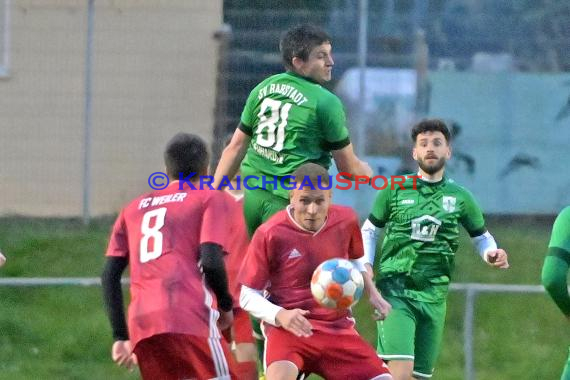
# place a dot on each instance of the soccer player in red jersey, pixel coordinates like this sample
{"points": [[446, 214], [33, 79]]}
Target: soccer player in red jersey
{"points": [[241, 333], [303, 336], [173, 240]]}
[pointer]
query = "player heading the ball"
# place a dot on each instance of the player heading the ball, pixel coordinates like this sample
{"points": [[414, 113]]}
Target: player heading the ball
{"points": [[303, 336], [290, 119]]}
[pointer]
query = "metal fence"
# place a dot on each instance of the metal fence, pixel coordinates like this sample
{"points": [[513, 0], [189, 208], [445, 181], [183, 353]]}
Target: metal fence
{"points": [[472, 291], [496, 71], [90, 93], [95, 88]]}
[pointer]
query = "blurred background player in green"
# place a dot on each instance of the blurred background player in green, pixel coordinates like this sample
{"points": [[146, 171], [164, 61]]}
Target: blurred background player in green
{"points": [[422, 220], [289, 119], [555, 269]]}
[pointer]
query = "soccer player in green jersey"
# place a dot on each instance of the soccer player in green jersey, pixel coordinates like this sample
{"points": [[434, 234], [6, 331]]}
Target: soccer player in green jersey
{"points": [[421, 218], [555, 269], [289, 119]]}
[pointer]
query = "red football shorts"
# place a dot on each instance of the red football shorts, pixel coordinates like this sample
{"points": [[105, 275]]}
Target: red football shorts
{"points": [[332, 356], [180, 356]]}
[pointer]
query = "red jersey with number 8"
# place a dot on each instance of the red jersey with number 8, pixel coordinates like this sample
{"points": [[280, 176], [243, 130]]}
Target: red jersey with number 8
{"points": [[160, 234]]}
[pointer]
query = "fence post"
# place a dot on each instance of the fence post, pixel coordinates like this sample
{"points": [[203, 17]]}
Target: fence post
{"points": [[360, 149], [87, 116], [468, 325]]}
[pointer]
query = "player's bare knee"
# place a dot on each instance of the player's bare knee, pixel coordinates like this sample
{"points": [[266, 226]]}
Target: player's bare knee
{"points": [[282, 370]]}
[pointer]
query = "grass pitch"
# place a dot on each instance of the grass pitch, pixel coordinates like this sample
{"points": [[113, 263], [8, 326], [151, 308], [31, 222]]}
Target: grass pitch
{"points": [[61, 332]]}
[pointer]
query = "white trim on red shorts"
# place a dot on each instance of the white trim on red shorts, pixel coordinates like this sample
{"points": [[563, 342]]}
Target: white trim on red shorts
{"points": [[214, 338], [383, 376]]}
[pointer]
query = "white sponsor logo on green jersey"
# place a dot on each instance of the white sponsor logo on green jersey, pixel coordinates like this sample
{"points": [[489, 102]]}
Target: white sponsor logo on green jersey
{"points": [[425, 228]]}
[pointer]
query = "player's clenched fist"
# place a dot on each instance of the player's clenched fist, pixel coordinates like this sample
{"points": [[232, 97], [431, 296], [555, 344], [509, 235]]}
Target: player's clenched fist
{"points": [[497, 258]]}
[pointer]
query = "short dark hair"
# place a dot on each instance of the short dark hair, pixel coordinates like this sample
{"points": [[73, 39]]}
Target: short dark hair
{"points": [[185, 153], [430, 125], [299, 41], [316, 174]]}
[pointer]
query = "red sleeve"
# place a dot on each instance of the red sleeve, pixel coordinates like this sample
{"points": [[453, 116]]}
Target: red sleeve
{"points": [[356, 249], [119, 242], [215, 212], [254, 272]]}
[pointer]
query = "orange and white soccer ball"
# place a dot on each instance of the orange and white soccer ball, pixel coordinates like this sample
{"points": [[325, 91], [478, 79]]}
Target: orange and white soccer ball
{"points": [[337, 284]]}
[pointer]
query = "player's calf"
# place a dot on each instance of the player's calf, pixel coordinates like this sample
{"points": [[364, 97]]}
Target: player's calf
{"points": [[401, 369], [246, 361]]}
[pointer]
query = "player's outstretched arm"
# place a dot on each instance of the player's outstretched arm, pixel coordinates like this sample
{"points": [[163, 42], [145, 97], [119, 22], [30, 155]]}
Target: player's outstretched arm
{"points": [[121, 352], [486, 246], [2, 259], [370, 234], [554, 278], [381, 307], [557, 262], [231, 157], [295, 322], [346, 161], [213, 267]]}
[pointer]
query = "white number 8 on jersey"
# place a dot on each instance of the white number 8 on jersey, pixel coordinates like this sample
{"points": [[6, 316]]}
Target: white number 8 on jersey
{"points": [[152, 232]]}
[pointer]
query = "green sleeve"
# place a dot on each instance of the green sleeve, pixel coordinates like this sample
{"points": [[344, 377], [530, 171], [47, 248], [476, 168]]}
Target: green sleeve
{"points": [[245, 129], [381, 209], [560, 237], [332, 120], [554, 277], [472, 216], [557, 262]]}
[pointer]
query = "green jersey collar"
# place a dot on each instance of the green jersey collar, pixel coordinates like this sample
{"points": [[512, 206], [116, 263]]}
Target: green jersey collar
{"points": [[292, 73]]}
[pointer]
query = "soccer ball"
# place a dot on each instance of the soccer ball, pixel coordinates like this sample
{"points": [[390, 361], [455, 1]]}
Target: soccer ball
{"points": [[337, 284]]}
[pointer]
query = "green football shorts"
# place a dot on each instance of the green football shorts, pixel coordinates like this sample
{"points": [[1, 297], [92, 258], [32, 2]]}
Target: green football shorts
{"points": [[566, 372], [412, 331], [258, 206]]}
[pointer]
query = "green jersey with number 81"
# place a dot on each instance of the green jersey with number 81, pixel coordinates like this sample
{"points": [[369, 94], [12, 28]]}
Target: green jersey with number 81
{"points": [[291, 120], [422, 235]]}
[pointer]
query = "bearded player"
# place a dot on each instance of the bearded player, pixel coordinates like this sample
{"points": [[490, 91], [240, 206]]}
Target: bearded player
{"points": [[421, 218]]}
